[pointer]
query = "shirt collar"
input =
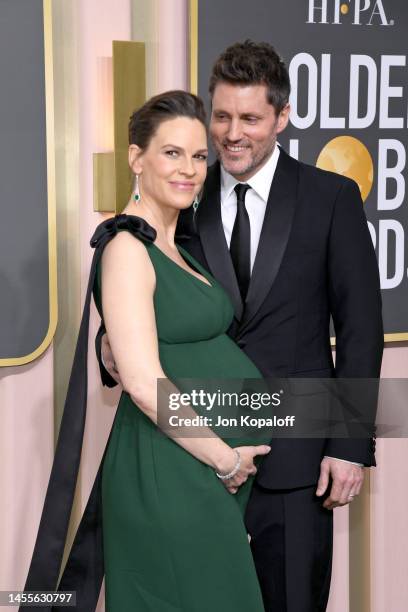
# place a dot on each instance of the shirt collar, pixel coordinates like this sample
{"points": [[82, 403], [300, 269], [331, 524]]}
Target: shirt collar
{"points": [[261, 181]]}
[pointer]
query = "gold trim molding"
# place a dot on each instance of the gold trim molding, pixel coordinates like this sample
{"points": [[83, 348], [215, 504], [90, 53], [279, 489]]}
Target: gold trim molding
{"points": [[193, 22], [360, 550]]}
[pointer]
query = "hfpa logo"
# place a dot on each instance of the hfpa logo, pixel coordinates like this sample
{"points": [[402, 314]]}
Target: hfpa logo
{"points": [[366, 12]]}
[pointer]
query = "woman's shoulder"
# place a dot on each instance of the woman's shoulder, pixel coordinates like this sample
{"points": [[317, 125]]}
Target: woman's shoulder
{"points": [[123, 224], [122, 243]]}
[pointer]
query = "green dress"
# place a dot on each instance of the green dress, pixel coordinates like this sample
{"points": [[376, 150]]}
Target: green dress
{"points": [[174, 538]]}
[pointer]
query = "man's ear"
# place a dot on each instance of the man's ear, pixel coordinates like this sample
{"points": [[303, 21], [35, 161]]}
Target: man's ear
{"points": [[283, 118], [135, 158]]}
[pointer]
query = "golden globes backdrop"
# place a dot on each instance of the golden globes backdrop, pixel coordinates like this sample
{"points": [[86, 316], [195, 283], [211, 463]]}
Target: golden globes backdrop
{"points": [[348, 68], [28, 304]]}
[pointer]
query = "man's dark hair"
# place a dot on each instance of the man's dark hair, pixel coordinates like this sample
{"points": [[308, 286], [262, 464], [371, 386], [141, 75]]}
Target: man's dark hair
{"points": [[252, 63], [144, 122]]}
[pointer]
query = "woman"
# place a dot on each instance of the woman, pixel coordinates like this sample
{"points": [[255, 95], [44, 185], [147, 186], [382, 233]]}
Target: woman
{"points": [[172, 507], [174, 537]]}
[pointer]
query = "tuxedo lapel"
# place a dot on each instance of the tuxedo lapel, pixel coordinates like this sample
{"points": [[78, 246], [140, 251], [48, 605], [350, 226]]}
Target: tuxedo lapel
{"points": [[209, 225], [274, 235]]}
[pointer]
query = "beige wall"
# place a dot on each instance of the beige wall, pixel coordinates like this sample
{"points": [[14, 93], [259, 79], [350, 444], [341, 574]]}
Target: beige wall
{"points": [[29, 394]]}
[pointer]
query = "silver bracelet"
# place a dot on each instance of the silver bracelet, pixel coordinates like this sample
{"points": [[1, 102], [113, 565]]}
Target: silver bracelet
{"points": [[235, 469]]}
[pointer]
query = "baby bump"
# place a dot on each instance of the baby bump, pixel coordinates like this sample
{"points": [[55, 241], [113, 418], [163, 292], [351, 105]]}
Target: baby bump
{"points": [[218, 357]]}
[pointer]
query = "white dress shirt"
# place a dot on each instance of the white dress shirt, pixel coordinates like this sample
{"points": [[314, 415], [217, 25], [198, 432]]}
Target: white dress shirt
{"points": [[256, 200]]}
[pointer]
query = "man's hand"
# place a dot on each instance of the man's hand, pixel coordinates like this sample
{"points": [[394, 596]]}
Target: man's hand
{"points": [[347, 482], [108, 360]]}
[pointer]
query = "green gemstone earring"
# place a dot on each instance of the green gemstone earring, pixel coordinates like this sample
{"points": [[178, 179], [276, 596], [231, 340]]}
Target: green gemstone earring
{"points": [[195, 204], [136, 197]]}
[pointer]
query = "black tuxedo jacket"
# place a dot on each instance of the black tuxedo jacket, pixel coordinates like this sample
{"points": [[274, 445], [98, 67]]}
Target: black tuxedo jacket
{"points": [[315, 259]]}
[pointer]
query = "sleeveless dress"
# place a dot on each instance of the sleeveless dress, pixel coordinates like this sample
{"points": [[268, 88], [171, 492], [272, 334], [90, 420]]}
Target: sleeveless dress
{"points": [[174, 539]]}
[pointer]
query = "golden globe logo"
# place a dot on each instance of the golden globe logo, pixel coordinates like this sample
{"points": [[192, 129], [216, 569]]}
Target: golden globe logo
{"points": [[348, 156], [365, 12]]}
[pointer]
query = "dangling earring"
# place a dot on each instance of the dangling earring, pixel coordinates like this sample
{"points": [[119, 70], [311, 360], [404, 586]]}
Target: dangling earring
{"points": [[136, 197], [196, 203]]}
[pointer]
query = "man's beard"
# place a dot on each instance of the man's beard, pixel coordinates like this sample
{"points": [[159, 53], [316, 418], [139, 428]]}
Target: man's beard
{"points": [[254, 163]]}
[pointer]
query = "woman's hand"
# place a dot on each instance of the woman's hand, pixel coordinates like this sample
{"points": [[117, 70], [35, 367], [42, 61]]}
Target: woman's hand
{"points": [[247, 467]]}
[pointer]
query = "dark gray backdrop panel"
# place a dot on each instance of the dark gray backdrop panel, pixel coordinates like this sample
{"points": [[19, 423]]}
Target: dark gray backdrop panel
{"points": [[283, 24], [24, 279]]}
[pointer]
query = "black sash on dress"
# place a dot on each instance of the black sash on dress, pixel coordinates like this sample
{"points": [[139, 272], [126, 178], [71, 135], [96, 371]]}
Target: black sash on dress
{"points": [[84, 569]]}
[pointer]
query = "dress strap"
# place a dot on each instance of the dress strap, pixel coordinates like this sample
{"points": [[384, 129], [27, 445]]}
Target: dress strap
{"points": [[84, 569]]}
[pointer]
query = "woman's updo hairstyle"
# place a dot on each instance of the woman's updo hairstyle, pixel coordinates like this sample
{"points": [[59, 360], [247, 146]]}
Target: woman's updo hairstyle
{"points": [[146, 120]]}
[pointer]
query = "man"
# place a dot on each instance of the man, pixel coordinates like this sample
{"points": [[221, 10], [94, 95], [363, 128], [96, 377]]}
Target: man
{"points": [[290, 245]]}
